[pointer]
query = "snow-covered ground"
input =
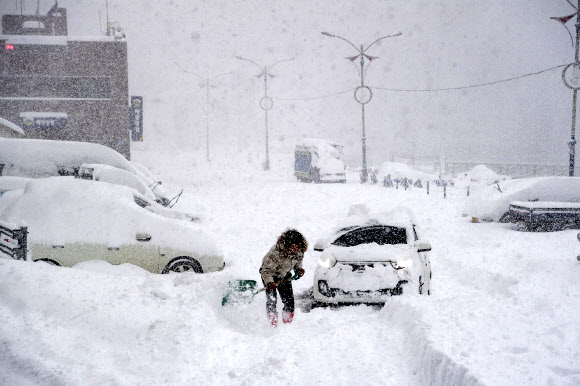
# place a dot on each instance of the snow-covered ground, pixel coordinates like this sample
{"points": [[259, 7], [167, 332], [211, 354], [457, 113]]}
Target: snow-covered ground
{"points": [[504, 308]]}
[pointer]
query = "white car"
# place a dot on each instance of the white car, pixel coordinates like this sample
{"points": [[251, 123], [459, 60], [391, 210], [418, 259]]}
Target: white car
{"points": [[113, 175], [73, 220], [370, 258], [38, 158], [493, 203]]}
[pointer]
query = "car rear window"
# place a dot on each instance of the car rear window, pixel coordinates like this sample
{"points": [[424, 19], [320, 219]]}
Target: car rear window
{"points": [[381, 235]]}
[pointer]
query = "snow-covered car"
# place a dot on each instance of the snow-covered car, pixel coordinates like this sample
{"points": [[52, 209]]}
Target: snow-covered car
{"points": [[493, 202], [147, 198], [38, 158], [73, 220], [370, 258]]}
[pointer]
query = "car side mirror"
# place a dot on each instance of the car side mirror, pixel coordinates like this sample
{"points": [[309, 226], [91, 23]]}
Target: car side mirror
{"points": [[423, 246], [320, 245], [143, 237]]}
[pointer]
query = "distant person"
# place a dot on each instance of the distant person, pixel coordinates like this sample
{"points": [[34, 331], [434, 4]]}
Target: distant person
{"points": [[282, 258]]}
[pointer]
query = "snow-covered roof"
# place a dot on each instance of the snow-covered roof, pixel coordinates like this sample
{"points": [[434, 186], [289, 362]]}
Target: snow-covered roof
{"points": [[326, 152], [361, 215], [43, 40], [546, 204], [316, 142], [11, 125], [42, 158]]}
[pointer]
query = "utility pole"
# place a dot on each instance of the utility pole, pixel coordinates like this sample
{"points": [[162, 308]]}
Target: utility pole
{"points": [[266, 103], [362, 94], [208, 106], [572, 143], [573, 81]]}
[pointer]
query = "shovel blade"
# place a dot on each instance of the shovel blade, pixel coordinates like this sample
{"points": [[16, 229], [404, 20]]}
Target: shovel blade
{"points": [[239, 291]]}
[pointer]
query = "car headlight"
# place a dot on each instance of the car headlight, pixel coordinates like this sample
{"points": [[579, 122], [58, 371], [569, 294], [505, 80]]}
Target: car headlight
{"points": [[326, 260]]}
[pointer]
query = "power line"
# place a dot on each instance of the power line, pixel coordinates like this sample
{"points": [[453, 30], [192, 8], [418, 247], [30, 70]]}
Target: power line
{"points": [[318, 97], [431, 89], [470, 86]]}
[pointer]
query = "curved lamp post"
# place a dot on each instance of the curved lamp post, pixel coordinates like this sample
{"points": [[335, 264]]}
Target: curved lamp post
{"points": [[208, 106], [362, 94], [266, 103]]}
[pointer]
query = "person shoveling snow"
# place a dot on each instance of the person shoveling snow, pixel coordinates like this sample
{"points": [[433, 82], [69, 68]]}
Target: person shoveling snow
{"points": [[282, 258]]}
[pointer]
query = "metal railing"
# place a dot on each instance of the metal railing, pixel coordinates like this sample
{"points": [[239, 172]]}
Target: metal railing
{"points": [[13, 241]]}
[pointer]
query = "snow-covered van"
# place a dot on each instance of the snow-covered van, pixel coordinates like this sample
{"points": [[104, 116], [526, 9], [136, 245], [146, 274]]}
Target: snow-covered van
{"points": [[317, 160]]}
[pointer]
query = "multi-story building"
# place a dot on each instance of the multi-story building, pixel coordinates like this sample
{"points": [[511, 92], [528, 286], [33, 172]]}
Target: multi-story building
{"points": [[60, 87]]}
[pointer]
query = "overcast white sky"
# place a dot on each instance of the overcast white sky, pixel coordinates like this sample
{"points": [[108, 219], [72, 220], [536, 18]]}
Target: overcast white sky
{"points": [[444, 44]]}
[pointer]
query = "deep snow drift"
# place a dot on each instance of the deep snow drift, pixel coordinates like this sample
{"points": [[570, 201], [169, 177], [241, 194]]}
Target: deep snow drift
{"points": [[504, 308]]}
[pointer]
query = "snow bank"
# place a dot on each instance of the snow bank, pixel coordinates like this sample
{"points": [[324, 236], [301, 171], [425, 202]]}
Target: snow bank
{"points": [[482, 175], [431, 364], [400, 171]]}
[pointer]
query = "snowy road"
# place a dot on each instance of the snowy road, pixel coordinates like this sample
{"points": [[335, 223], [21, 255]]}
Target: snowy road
{"points": [[503, 310]]}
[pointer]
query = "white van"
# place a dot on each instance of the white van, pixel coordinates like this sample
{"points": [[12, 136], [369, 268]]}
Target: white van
{"points": [[317, 160]]}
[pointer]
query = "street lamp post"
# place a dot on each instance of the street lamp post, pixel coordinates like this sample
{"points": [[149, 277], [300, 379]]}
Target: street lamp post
{"points": [[208, 106], [362, 94], [266, 103], [572, 82], [574, 98]]}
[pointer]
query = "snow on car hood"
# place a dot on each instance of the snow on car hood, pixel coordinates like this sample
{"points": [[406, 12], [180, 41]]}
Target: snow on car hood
{"points": [[375, 277], [371, 279], [60, 210]]}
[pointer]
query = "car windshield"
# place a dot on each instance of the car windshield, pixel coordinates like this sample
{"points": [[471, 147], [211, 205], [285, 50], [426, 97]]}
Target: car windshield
{"points": [[381, 235]]}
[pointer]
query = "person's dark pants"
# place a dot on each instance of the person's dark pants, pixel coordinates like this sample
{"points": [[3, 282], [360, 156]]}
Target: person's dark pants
{"points": [[286, 294]]}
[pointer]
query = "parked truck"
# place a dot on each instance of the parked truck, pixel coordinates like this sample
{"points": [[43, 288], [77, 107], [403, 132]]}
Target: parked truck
{"points": [[317, 160]]}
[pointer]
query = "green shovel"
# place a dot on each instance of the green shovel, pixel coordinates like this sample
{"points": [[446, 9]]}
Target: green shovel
{"points": [[243, 291]]}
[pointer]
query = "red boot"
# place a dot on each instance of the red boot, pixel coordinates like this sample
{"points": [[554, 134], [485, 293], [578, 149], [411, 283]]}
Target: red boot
{"points": [[273, 320], [287, 317]]}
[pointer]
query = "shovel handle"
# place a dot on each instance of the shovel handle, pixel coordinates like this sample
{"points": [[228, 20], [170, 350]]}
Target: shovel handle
{"points": [[278, 283]]}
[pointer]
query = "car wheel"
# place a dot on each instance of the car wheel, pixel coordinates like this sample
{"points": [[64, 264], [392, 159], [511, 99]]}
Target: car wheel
{"points": [[506, 217], [183, 264], [48, 261]]}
